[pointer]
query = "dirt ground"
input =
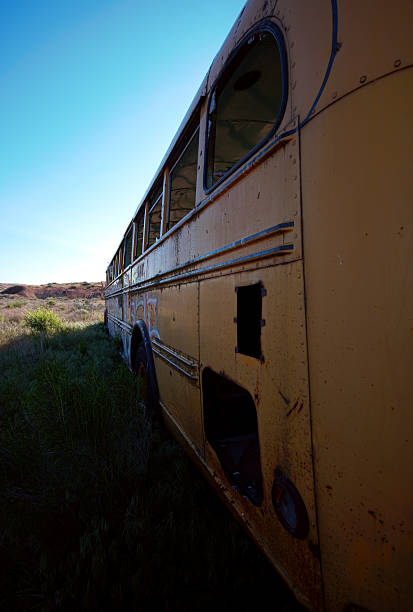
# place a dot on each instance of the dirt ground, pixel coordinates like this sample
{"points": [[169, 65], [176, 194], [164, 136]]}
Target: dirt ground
{"points": [[71, 301]]}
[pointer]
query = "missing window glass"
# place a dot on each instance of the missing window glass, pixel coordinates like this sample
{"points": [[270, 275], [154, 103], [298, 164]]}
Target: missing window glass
{"points": [[249, 321], [232, 430]]}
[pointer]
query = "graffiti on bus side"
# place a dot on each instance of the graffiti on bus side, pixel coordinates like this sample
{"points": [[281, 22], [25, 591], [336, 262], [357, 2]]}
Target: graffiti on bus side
{"points": [[146, 309], [152, 316]]}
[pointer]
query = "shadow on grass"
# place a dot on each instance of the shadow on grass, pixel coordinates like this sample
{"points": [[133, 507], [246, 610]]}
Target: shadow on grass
{"points": [[100, 509]]}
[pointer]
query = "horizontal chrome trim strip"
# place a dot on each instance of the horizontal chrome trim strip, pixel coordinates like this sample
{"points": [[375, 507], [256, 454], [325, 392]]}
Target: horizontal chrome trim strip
{"points": [[269, 231], [127, 327], [280, 228], [174, 365], [280, 250], [274, 144], [177, 356]]}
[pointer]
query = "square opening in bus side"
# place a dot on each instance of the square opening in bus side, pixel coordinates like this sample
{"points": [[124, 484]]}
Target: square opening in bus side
{"points": [[249, 319]]}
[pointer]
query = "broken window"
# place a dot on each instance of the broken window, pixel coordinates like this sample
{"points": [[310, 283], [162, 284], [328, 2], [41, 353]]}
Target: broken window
{"points": [[232, 430], [183, 182], [154, 219], [247, 103]]}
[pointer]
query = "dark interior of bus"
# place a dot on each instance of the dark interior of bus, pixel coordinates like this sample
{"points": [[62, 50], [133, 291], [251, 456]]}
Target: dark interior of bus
{"points": [[232, 431]]}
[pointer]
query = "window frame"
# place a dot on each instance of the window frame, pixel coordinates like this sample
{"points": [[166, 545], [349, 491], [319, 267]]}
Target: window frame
{"points": [[124, 242], [274, 30], [187, 143], [150, 208], [120, 260], [139, 217]]}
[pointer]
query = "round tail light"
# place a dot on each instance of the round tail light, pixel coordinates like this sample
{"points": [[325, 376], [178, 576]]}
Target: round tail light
{"points": [[289, 506]]}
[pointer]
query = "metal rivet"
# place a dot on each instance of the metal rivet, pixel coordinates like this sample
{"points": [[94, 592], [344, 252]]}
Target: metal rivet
{"points": [[397, 63], [363, 79]]}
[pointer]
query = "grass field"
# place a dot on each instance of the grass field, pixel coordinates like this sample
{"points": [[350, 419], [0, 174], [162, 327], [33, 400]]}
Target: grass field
{"points": [[75, 306], [100, 509]]}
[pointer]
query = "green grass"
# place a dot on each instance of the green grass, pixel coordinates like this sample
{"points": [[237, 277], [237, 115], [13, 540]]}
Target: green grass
{"points": [[43, 320], [16, 304], [100, 509]]}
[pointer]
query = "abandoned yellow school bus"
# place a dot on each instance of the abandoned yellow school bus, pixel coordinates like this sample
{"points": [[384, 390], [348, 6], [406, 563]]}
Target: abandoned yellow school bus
{"points": [[264, 290]]}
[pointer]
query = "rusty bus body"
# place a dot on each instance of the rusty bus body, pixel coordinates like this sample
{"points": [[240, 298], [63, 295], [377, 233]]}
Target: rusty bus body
{"points": [[264, 286]]}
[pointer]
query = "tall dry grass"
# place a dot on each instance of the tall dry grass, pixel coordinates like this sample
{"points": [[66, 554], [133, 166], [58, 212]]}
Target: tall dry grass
{"points": [[100, 509]]}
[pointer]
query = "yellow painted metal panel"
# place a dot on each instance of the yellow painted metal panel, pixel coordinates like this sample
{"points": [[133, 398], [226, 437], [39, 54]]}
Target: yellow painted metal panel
{"points": [[284, 429], [308, 30], [178, 318], [261, 199], [182, 399], [358, 219], [375, 38]]}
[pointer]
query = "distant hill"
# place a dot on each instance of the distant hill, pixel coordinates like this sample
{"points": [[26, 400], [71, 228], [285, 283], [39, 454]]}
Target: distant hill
{"points": [[68, 290]]}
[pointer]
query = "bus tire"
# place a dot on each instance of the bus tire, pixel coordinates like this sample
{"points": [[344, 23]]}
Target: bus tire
{"points": [[149, 388]]}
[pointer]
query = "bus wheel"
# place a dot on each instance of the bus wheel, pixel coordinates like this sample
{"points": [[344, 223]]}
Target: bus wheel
{"points": [[148, 386]]}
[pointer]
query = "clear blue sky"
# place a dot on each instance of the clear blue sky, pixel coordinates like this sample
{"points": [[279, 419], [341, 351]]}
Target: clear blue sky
{"points": [[91, 94]]}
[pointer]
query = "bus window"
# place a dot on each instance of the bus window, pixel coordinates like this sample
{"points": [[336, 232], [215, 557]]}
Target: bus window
{"points": [[138, 235], [127, 249], [246, 104], [183, 182], [154, 220], [119, 261]]}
